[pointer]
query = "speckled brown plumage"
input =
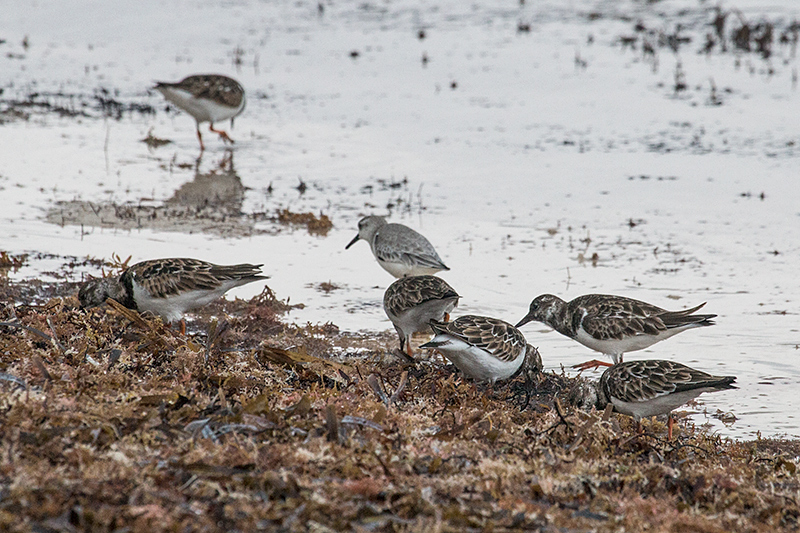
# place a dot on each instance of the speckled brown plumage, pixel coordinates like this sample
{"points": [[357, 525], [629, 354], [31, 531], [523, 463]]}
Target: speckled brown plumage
{"points": [[412, 302], [207, 98], [168, 287], [214, 87], [639, 381], [612, 325], [165, 277], [498, 338], [655, 387], [412, 291], [606, 316]]}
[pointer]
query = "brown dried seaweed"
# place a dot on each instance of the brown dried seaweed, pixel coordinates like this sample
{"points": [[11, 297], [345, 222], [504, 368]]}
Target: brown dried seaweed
{"points": [[316, 225], [282, 427]]}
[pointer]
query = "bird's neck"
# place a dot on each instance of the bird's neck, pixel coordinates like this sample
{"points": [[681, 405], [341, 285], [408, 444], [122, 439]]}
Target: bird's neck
{"points": [[123, 290], [557, 319]]}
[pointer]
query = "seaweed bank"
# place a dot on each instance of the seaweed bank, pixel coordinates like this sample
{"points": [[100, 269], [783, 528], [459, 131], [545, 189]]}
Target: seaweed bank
{"points": [[111, 419]]}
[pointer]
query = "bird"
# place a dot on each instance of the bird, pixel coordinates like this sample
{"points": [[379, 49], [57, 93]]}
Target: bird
{"points": [[168, 287], [400, 250], [208, 98], [612, 325], [655, 387], [412, 302], [483, 348]]}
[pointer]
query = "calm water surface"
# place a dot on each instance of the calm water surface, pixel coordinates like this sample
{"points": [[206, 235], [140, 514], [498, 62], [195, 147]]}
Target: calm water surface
{"points": [[521, 139]]}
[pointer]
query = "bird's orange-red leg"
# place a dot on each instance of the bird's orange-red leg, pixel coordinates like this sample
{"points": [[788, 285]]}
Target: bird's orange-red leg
{"points": [[200, 138], [220, 133], [588, 365]]}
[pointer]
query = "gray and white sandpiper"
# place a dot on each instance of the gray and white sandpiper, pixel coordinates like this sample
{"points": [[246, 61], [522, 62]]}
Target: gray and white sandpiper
{"points": [[208, 98], [483, 348], [168, 287], [400, 250], [612, 325], [412, 302], [655, 387]]}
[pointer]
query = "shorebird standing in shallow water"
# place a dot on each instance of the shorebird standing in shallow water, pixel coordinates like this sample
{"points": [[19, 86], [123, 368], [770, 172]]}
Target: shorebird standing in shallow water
{"points": [[654, 387], [483, 348], [612, 325], [208, 98], [400, 250], [412, 302], [168, 287]]}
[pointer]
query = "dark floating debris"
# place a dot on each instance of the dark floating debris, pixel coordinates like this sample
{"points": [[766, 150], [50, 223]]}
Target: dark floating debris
{"points": [[645, 177], [628, 41], [748, 194], [327, 287], [103, 103], [729, 30], [632, 223], [154, 142], [680, 78], [316, 225], [9, 262], [110, 106]]}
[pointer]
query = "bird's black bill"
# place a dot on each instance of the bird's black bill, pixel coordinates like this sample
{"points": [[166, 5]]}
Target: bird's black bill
{"points": [[432, 344], [523, 321], [352, 242]]}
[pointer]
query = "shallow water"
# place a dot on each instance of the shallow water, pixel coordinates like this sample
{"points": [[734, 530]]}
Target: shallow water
{"points": [[519, 154]]}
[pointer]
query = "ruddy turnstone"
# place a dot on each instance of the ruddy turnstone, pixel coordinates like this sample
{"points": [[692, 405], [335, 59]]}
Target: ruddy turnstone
{"points": [[412, 302], [485, 349], [400, 250], [612, 325], [208, 98], [654, 387], [168, 287]]}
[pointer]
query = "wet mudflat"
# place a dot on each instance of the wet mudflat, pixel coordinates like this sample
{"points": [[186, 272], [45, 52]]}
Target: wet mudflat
{"points": [[646, 149]]}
